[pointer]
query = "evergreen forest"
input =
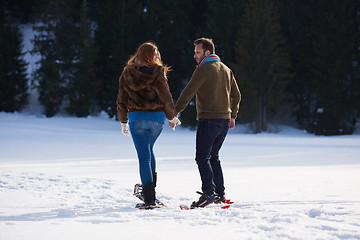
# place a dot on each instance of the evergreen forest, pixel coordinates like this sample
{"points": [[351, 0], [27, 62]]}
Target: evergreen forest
{"points": [[295, 62]]}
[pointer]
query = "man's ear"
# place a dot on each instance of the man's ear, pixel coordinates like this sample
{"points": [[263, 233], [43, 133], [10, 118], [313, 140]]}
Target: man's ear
{"points": [[207, 53]]}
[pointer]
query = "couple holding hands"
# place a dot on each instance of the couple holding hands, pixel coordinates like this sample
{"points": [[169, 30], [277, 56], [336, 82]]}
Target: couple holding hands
{"points": [[144, 103]]}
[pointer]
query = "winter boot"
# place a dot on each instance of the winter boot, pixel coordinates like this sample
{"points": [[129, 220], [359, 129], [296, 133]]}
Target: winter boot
{"points": [[154, 181], [154, 178], [149, 195], [205, 199], [219, 198]]}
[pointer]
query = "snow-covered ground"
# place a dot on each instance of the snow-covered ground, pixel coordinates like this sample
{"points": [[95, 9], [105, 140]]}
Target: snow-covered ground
{"points": [[72, 178]]}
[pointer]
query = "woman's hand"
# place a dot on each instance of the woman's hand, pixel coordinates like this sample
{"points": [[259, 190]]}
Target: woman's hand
{"points": [[174, 122], [125, 129]]}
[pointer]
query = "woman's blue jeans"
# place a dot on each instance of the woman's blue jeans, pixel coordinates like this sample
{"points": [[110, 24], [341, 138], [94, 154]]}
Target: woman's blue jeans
{"points": [[144, 134], [210, 136]]}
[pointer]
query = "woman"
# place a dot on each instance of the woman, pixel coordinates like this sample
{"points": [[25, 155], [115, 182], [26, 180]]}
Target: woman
{"points": [[144, 102]]}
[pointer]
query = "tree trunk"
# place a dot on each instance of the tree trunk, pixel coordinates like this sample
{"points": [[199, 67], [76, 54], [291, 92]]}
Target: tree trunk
{"points": [[261, 116]]}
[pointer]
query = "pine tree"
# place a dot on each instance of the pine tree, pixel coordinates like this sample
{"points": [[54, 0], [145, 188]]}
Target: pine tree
{"points": [[223, 18], [116, 37], [296, 18], [55, 43], [81, 91], [124, 25], [335, 68], [118, 33], [13, 80], [262, 63], [168, 23]]}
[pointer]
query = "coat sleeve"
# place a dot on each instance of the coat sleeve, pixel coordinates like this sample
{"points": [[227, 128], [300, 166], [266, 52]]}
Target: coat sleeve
{"points": [[163, 91], [122, 100], [235, 97], [189, 91]]}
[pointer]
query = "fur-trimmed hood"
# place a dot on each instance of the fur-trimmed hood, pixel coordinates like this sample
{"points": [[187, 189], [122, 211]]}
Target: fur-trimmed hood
{"points": [[137, 81]]}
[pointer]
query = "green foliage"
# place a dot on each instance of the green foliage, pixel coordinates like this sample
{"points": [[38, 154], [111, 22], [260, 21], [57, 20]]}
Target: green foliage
{"points": [[117, 35], [224, 20], [13, 80], [335, 43], [189, 115], [84, 44], [66, 76], [81, 92], [262, 64], [168, 23], [296, 19], [124, 25], [53, 41], [324, 39]]}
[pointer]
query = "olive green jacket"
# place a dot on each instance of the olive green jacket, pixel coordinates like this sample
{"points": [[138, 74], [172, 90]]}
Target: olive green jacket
{"points": [[217, 93]]}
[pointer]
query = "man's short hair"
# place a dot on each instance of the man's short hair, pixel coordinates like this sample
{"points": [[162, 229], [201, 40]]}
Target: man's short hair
{"points": [[207, 44]]}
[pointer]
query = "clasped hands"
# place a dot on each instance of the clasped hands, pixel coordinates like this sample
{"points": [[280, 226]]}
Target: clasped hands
{"points": [[174, 122]]}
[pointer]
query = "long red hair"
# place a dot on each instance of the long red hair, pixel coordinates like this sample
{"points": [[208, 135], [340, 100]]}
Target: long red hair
{"points": [[144, 56]]}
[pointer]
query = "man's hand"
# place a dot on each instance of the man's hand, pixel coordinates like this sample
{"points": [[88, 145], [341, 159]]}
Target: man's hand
{"points": [[232, 123]]}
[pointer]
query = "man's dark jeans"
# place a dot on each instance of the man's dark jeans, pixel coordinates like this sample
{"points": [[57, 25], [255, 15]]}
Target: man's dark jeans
{"points": [[210, 136]]}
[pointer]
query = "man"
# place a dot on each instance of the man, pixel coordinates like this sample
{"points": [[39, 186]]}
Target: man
{"points": [[217, 104]]}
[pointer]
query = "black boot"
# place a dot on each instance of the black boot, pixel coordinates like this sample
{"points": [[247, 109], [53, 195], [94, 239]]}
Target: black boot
{"points": [[154, 178], [149, 195], [206, 198], [154, 181], [219, 198]]}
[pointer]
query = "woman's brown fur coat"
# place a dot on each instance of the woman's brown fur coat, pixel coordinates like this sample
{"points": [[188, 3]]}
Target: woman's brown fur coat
{"points": [[140, 91]]}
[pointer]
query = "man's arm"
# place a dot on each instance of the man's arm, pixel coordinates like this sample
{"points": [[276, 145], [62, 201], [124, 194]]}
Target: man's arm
{"points": [[189, 91], [235, 98]]}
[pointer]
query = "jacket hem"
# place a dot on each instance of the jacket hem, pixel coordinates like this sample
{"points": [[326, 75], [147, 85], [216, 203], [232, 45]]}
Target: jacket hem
{"points": [[213, 116]]}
